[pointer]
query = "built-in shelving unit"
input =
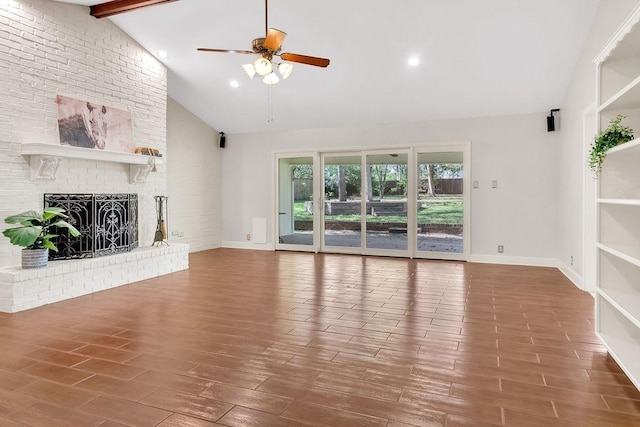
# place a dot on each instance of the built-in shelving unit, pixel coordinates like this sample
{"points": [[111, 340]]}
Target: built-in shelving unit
{"points": [[45, 158], [618, 281]]}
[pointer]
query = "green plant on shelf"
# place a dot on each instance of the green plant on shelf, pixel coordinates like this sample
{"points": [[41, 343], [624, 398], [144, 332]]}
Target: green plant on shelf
{"points": [[614, 135]]}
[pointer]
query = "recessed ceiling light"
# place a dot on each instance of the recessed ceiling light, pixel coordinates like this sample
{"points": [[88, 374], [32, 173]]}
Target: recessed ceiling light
{"points": [[162, 54], [414, 61], [234, 84]]}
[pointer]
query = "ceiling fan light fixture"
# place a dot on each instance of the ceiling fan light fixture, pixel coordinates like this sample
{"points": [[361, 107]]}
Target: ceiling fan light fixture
{"points": [[263, 66], [285, 70], [271, 79], [250, 69]]}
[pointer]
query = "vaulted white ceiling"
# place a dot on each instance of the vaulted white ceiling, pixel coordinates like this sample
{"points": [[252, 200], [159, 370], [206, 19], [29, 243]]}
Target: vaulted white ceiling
{"points": [[477, 58]]}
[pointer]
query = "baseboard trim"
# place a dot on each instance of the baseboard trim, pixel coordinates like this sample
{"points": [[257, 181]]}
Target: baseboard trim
{"points": [[514, 260], [247, 245], [571, 274]]}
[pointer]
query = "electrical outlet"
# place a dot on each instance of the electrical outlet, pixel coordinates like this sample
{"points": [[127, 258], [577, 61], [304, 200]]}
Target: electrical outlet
{"points": [[571, 259], [500, 249], [494, 183], [248, 237], [174, 233]]}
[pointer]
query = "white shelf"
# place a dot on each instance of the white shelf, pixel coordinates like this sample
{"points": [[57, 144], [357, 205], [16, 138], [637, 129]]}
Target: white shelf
{"points": [[618, 202], [621, 352], [626, 303], [628, 97], [623, 202], [626, 148], [627, 253], [58, 150], [45, 159], [620, 336]]}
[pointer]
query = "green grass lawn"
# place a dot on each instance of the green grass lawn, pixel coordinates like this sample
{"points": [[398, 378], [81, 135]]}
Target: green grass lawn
{"points": [[437, 210]]}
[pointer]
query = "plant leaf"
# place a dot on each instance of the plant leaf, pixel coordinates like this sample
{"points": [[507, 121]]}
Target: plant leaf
{"points": [[52, 212], [23, 236], [25, 218], [64, 224], [48, 244]]}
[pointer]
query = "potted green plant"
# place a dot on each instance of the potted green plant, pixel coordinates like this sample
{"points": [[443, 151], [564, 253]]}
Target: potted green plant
{"points": [[614, 135], [35, 234]]}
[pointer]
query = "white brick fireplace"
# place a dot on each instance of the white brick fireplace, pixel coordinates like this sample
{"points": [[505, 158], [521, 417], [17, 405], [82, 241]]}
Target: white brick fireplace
{"points": [[24, 289], [52, 48]]}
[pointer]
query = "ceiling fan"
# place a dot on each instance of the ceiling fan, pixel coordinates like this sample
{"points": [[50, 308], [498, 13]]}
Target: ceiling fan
{"points": [[267, 47]]}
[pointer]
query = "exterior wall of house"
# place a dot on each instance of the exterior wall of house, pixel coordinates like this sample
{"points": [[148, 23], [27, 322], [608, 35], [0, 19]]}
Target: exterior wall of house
{"points": [[49, 48]]}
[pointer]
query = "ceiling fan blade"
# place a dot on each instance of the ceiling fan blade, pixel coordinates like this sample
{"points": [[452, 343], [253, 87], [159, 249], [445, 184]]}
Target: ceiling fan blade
{"points": [[303, 59], [274, 39], [206, 49]]}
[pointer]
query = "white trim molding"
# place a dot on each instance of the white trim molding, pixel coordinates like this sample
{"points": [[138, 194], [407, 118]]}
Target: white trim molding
{"points": [[514, 260], [571, 274], [248, 245]]}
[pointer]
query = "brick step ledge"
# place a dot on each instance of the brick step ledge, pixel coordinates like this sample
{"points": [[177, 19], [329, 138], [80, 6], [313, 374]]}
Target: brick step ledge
{"points": [[23, 289]]}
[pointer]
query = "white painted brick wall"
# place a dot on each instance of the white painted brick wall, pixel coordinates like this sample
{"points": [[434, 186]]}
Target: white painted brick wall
{"points": [[24, 289], [194, 164], [49, 48]]}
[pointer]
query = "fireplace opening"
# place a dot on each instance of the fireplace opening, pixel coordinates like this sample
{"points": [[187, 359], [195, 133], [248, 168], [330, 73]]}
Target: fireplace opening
{"points": [[108, 224]]}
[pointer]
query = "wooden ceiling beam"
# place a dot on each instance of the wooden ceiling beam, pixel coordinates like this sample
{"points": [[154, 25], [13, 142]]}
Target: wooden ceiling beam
{"points": [[114, 7]]}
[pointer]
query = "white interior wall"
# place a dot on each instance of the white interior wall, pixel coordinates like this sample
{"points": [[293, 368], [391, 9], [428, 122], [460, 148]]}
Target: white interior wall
{"points": [[193, 168], [576, 182], [515, 150], [49, 48]]}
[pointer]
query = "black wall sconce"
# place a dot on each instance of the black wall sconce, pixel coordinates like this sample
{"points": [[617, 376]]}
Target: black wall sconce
{"points": [[223, 140], [551, 121]]}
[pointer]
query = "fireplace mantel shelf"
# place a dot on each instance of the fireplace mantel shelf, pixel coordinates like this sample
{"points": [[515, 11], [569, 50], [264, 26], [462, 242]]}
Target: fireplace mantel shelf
{"points": [[45, 159]]}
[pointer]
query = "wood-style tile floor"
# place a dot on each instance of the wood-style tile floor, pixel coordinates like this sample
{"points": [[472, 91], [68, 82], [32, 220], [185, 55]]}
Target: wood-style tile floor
{"points": [[249, 338]]}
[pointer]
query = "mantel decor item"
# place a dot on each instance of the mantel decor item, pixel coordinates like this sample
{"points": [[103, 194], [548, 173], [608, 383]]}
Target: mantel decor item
{"points": [[35, 234], [614, 135]]}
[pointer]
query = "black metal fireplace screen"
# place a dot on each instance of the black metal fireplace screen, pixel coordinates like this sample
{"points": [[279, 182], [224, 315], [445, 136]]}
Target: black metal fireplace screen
{"points": [[108, 224]]}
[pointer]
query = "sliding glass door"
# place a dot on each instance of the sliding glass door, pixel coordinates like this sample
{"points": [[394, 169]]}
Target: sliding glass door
{"points": [[342, 204], [387, 202], [295, 203], [442, 214], [410, 202]]}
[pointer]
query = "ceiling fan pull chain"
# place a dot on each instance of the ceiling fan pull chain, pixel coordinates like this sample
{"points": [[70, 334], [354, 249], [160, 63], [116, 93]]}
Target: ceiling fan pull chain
{"points": [[270, 104]]}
